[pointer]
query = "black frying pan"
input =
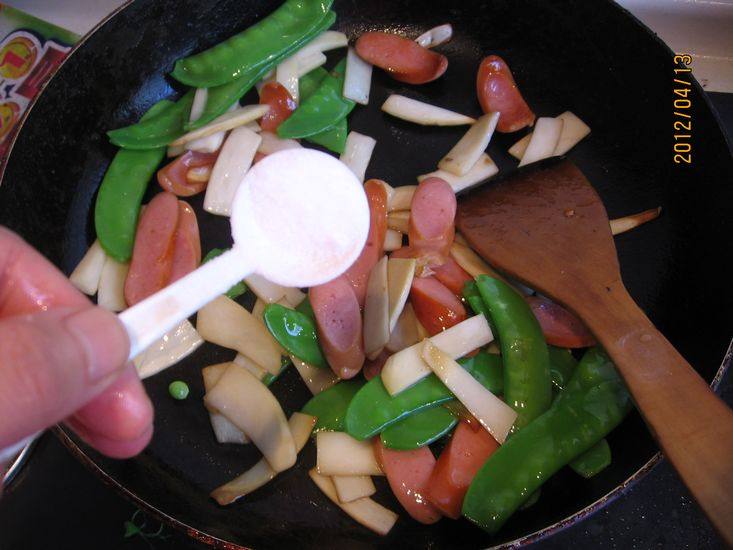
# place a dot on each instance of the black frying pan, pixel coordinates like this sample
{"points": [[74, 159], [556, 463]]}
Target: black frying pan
{"points": [[588, 56]]}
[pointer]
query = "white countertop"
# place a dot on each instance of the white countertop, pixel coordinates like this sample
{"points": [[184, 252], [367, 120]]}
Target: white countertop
{"points": [[702, 28]]}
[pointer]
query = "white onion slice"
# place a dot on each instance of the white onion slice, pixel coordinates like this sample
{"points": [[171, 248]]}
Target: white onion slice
{"points": [[250, 405], [392, 240], [225, 323], [234, 160], [86, 274], [407, 367], [227, 121], [544, 139], [111, 291], [481, 171], [365, 511], [350, 488], [357, 153], [376, 311], [469, 148], [418, 112], [400, 272], [436, 36], [491, 412], [339, 454], [176, 344], [358, 78], [401, 198], [301, 426], [315, 378]]}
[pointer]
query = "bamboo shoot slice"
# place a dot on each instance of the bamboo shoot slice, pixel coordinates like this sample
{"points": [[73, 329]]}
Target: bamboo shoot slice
{"points": [[573, 131], [401, 198], [400, 272], [87, 273], [339, 454], [316, 379], [351, 488], [627, 223], [492, 413], [392, 240], [399, 221], [265, 290], [357, 153], [376, 310], [224, 430], [227, 121], [407, 367], [365, 511], [517, 150], [482, 170], [544, 139], [227, 324], [469, 148], [405, 332], [419, 112], [111, 291], [250, 406], [176, 344]]}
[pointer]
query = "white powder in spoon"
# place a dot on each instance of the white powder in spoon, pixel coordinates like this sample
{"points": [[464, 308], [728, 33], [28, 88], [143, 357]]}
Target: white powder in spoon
{"points": [[301, 216]]}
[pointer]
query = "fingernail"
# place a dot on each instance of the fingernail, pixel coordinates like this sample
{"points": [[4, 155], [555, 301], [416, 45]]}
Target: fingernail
{"points": [[103, 339]]}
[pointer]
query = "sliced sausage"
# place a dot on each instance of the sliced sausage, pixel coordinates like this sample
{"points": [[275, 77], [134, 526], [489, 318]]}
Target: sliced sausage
{"points": [[186, 243], [281, 105], [338, 321], [408, 474], [452, 275], [152, 255], [436, 307], [497, 92], [358, 273], [560, 327], [432, 216], [404, 59], [173, 176]]}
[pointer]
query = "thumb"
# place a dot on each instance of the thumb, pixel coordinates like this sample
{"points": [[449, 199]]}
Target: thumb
{"points": [[52, 363]]}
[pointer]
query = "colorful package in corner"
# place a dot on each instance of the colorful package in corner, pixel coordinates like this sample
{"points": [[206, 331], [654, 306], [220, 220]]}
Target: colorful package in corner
{"points": [[30, 51]]}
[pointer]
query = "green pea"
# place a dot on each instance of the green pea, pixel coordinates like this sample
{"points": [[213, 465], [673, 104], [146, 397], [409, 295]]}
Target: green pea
{"points": [[296, 333], [237, 290], [419, 429], [178, 390], [330, 406]]}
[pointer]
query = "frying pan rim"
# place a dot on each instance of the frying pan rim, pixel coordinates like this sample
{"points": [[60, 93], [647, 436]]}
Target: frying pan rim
{"points": [[211, 540]]}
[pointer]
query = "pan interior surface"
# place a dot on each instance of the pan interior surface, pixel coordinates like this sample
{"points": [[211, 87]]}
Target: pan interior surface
{"points": [[565, 56]]}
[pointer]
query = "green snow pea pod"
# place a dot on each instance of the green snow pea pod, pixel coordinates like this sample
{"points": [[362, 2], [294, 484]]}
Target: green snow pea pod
{"points": [[334, 138], [321, 110], [308, 83], [296, 333], [306, 309], [527, 382], [121, 193], [276, 36], [574, 423], [473, 297], [237, 290], [562, 366], [158, 130], [220, 98], [330, 405], [593, 461], [419, 429], [373, 409]]}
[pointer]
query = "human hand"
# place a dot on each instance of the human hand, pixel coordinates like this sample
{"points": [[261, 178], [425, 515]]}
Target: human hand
{"points": [[63, 359]]}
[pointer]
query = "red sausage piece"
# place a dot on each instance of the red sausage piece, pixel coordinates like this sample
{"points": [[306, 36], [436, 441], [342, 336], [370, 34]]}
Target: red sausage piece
{"points": [[498, 92], [338, 320], [358, 273], [404, 59], [436, 307], [281, 105], [432, 216], [173, 177], [452, 275], [186, 243], [408, 474], [560, 327], [152, 255]]}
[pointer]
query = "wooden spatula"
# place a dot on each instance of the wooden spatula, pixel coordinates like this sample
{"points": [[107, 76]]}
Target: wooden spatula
{"points": [[547, 227]]}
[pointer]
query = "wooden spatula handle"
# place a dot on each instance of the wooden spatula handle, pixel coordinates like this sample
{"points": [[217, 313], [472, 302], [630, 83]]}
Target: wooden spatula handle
{"points": [[692, 425]]}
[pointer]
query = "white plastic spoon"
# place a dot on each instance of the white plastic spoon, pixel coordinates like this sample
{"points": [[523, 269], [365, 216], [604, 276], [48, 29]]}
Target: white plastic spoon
{"points": [[300, 218]]}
